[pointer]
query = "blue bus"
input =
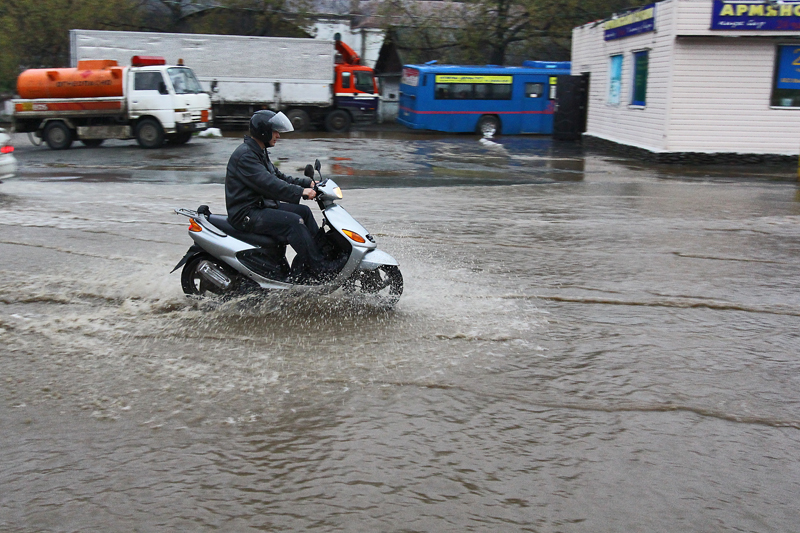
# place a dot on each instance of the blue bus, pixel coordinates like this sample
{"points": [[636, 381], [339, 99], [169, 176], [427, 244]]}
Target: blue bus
{"points": [[487, 100]]}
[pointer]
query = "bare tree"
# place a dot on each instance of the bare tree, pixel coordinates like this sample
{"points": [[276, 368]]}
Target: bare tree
{"points": [[232, 17], [423, 30], [490, 31]]}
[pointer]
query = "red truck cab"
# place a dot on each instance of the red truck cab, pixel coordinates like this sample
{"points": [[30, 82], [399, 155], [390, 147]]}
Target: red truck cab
{"points": [[355, 90]]}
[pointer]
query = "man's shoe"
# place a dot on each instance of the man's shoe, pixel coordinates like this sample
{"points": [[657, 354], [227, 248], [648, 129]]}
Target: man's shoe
{"points": [[328, 270], [336, 265]]}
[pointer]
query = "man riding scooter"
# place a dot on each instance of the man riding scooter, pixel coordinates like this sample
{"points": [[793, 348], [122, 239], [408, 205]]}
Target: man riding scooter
{"points": [[261, 199]]}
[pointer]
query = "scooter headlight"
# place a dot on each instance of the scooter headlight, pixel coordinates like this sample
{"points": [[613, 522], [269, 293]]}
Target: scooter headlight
{"points": [[338, 192]]}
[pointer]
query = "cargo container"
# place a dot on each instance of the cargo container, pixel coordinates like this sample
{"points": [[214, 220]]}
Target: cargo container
{"points": [[313, 81], [149, 101]]}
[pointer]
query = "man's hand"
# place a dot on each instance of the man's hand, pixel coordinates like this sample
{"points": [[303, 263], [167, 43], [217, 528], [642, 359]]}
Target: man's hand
{"points": [[309, 194]]}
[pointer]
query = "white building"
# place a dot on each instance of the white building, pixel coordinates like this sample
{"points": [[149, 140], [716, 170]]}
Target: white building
{"points": [[695, 76], [366, 42]]}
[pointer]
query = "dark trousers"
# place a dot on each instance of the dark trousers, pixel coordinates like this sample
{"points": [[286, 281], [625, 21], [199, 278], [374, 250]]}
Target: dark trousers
{"points": [[290, 223]]}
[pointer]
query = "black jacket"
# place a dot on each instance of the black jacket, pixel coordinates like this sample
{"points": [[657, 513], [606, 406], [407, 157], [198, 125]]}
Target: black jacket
{"points": [[252, 181]]}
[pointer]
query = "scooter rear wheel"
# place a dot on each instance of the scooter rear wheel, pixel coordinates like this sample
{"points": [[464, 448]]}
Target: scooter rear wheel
{"points": [[193, 282]]}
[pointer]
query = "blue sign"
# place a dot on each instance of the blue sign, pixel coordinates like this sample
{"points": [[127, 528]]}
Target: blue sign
{"points": [[789, 68], [756, 16], [642, 20]]}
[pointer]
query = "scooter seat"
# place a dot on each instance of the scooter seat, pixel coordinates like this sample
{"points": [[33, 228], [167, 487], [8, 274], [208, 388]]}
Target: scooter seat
{"points": [[264, 241]]}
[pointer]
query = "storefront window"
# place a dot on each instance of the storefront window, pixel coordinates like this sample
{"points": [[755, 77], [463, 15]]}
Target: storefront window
{"points": [[614, 79], [640, 64], [786, 85]]}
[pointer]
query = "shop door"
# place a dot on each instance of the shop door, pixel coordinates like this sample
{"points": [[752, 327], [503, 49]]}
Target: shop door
{"points": [[569, 121]]}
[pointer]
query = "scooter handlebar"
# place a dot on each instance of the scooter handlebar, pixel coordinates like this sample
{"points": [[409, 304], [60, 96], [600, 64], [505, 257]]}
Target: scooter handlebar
{"points": [[316, 192]]}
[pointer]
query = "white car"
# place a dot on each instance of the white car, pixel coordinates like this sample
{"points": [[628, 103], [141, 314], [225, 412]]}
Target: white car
{"points": [[8, 163]]}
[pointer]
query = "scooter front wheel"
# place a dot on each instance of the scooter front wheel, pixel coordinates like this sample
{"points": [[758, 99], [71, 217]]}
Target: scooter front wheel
{"points": [[385, 283]]}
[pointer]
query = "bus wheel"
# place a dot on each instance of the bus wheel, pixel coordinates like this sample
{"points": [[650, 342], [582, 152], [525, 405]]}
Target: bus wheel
{"points": [[299, 119], [488, 126], [57, 135], [337, 121]]}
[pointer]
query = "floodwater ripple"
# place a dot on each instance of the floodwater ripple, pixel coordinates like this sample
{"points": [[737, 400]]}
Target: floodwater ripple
{"points": [[584, 344]]}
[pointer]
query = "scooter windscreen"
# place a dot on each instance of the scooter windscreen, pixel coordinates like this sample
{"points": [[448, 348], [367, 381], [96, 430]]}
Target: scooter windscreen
{"points": [[281, 123]]}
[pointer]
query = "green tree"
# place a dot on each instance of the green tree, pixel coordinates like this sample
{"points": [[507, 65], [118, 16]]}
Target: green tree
{"points": [[35, 33]]}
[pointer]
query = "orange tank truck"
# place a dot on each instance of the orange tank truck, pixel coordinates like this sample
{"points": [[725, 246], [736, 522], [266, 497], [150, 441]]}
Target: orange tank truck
{"points": [[99, 99], [91, 79]]}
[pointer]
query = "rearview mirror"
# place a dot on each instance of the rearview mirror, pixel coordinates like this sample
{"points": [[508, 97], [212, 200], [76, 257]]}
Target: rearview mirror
{"points": [[309, 171], [317, 166], [162, 88]]}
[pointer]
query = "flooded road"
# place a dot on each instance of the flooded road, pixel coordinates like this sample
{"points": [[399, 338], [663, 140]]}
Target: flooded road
{"points": [[584, 344]]}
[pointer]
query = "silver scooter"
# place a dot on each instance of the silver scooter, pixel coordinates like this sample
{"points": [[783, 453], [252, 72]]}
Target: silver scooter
{"points": [[227, 262]]}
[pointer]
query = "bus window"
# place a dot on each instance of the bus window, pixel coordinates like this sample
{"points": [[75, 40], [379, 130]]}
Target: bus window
{"points": [[461, 91], [501, 92], [445, 91], [472, 91], [410, 77], [534, 90]]}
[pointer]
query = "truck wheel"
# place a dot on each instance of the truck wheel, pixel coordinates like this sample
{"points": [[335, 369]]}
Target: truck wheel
{"points": [[337, 121], [92, 142], [299, 118], [57, 135], [149, 133]]}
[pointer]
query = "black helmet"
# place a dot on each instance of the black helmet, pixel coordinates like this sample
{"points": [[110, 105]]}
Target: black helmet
{"points": [[264, 122]]}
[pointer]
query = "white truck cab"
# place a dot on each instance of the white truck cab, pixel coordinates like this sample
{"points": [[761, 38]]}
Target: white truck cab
{"points": [[165, 102]]}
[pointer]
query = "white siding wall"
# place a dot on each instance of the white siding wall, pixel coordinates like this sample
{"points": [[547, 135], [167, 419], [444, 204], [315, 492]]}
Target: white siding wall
{"points": [[707, 91], [642, 127], [694, 17], [721, 94]]}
